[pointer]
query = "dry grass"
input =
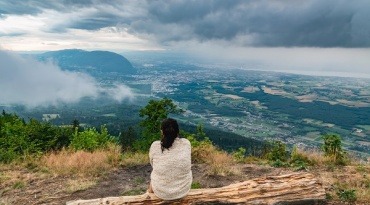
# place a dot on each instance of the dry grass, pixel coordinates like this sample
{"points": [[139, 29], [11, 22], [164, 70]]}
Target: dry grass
{"points": [[82, 163], [254, 160], [334, 178], [339, 181], [130, 159], [347, 178], [79, 184], [3, 177], [316, 157], [6, 201], [219, 162], [202, 152], [14, 176], [351, 178]]}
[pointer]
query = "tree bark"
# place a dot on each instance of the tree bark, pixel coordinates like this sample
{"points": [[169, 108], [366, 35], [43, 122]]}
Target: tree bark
{"points": [[290, 189]]}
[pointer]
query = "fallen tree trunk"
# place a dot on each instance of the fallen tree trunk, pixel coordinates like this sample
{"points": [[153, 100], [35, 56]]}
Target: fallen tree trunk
{"points": [[295, 188]]}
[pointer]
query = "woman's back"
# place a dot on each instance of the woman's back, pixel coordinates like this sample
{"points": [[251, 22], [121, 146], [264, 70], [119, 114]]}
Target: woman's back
{"points": [[171, 177]]}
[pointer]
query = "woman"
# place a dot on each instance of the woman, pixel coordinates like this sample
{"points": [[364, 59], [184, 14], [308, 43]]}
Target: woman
{"points": [[171, 161]]}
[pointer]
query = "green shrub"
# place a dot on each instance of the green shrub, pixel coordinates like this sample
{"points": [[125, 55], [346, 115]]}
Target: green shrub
{"points": [[196, 185], [278, 163], [276, 150], [298, 160], [19, 185], [299, 165], [14, 141], [90, 139], [239, 154], [332, 148], [328, 196], [19, 139], [192, 139], [8, 155], [347, 195]]}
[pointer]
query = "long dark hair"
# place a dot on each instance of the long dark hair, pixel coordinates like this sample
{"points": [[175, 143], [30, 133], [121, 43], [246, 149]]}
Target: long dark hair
{"points": [[170, 130]]}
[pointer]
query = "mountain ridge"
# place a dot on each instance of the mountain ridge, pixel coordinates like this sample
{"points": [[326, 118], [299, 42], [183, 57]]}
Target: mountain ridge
{"points": [[89, 61]]}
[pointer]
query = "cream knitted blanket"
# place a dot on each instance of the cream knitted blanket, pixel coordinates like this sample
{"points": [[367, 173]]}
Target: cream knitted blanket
{"points": [[171, 177]]}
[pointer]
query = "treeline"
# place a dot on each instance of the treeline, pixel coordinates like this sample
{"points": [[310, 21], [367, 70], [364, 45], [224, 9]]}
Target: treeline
{"points": [[20, 139], [89, 113]]}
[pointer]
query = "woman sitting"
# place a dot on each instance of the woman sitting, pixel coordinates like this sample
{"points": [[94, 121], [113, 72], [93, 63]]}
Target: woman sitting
{"points": [[170, 158]]}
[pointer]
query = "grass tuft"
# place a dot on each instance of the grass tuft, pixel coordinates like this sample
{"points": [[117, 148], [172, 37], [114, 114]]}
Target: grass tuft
{"points": [[130, 159], [82, 163], [196, 185], [19, 185], [74, 185], [219, 162], [6, 201], [133, 192]]}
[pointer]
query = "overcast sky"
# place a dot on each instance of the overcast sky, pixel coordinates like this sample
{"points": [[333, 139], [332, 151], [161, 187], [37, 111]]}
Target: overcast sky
{"points": [[318, 35]]}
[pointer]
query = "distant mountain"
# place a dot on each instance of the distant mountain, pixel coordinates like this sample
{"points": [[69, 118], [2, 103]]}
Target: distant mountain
{"points": [[89, 61]]}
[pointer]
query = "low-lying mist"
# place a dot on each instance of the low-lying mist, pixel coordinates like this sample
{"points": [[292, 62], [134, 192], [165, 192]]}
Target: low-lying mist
{"points": [[26, 81]]}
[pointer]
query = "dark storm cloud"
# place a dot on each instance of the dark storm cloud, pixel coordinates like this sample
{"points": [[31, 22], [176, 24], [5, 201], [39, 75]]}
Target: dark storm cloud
{"points": [[22, 7], [18, 7], [97, 21], [93, 21], [316, 23], [11, 34], [286, 23]]}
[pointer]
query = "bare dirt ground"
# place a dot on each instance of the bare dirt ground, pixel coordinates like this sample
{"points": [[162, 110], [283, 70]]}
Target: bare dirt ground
{"points": [[43, 188], [122, 181]]}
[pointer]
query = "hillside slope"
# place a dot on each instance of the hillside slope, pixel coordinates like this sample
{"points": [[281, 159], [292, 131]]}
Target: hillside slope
{"points": [[89, 61]]}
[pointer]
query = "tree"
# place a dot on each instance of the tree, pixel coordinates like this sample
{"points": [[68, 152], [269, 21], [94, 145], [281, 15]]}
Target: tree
{"points": [[127, 138], [333, 148], [76, 125], [14, 142], [153, 113], [200, 134], [277, 153], [19, 138]]}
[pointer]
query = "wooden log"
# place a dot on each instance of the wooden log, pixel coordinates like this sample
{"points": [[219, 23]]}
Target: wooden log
{"points": [[290, 189]]}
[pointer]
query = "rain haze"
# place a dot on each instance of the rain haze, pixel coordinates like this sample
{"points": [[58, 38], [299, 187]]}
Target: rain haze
{"points": [[313, 36]]}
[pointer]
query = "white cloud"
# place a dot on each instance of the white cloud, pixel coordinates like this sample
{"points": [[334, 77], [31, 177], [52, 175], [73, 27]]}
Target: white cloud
{"points": [[118, 92], [354, 62], [51, 30], [29, 82]]}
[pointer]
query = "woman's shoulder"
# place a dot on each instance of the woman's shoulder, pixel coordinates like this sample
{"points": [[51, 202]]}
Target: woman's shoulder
{"points": [[184, 141], [155, 144]]}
